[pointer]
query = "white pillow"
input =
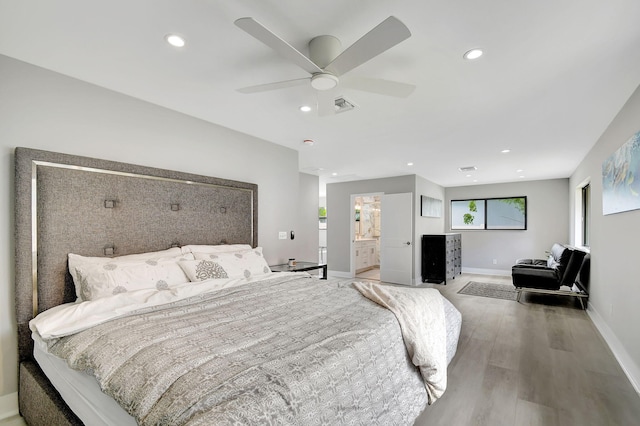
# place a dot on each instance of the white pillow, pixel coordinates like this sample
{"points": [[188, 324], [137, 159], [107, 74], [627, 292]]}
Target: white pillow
{"points": [[239, 264], [200, 270], [76, 260], [221, 248], [98, 281]]}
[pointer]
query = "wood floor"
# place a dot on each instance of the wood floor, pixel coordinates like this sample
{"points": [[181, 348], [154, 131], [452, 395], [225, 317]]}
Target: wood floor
{"points": [[538, 362]]}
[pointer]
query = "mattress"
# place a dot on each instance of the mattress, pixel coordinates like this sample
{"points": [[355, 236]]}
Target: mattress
{"points": [[82, 392]]}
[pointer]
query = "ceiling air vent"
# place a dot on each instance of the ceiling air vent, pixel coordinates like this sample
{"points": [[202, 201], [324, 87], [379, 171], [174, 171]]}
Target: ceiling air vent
{"points": [[342, 104], [468, 169]]}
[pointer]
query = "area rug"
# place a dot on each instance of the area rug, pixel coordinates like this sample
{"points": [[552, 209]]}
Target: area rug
{"points": [[496, 291]]}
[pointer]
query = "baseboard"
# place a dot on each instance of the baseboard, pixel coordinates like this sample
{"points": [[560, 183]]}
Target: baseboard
{"points": [[339, 274], [624, 359], [8, 405], [501, 272], [480, 271]]}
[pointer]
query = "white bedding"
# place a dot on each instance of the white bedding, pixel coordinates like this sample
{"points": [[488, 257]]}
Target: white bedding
{"points": [[80, 390], [71, 318]]}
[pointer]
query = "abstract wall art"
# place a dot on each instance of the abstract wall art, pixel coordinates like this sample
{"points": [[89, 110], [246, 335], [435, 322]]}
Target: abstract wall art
{"points": [[621, 178]]}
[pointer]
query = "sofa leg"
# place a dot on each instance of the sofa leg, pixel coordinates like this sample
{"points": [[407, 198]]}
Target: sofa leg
{"points": [[582, 304], [518, 292]]}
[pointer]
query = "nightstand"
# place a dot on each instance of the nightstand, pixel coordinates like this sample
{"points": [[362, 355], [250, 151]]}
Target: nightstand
{"points": [[300, 267]]}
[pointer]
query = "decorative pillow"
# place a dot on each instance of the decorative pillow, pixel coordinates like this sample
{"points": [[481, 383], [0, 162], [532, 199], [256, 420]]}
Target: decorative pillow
{"points": [[76, 261], [239, 264], [97, 281], [551, 262], [200, 270], [221, 248]]}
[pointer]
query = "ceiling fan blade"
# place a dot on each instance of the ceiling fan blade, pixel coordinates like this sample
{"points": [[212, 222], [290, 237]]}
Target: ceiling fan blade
{"points": [[274, 86], [383, 37], [379, 86], [326, 103], [260, 32]]}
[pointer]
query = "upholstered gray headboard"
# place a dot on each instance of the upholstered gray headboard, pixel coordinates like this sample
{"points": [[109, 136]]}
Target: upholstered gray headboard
{"points": [[71, 204]]}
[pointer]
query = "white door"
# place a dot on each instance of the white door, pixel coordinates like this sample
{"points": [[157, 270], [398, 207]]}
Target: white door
{"points": [[396, 236]]}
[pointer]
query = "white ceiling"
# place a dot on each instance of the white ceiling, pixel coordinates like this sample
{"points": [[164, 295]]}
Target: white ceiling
{"points": [[554, 75]]}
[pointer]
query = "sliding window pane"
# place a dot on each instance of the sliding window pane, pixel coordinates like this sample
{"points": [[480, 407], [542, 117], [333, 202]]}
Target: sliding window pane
{"points": [[467, 214], [507, 213]]}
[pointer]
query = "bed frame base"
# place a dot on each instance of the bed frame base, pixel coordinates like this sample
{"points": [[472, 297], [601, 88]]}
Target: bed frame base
{"points": [[39, 402]]}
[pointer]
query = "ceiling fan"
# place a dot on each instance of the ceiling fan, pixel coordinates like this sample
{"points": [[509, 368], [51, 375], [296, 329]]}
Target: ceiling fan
{"points": [[327, 62]]}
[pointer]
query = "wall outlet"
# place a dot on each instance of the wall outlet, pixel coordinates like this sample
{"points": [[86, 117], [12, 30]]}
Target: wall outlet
{"points": [[495, 261], [282, 235]]}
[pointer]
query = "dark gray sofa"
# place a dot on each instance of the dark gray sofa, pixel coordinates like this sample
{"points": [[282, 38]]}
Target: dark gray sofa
{"points": [[563, 267]]}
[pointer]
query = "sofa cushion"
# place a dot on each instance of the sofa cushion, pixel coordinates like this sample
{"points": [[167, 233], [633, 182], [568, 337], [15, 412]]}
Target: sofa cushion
{"points": [[573, 267], [535, 277]]}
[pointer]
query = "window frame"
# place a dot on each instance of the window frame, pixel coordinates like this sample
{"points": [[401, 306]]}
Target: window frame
{"points": [[486, 212]]}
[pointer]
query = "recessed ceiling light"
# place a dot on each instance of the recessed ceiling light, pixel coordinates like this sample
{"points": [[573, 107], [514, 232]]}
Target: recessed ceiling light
{"points": [[519, 171], [468, 176], [334, 174], [409, 164], [305, 108], [175, 40], [521, 176], [308, 142], [472, 54], [505, 151]]}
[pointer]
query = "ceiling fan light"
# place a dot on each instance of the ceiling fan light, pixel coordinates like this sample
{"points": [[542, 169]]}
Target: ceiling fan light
{"points": [[324, 81]]}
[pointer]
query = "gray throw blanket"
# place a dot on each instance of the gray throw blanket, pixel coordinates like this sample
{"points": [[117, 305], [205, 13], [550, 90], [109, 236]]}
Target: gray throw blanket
{"points": [[420, 312]]}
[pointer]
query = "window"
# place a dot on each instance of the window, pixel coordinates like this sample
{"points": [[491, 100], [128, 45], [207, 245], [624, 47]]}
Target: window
{"points": [[586, 214], [489, 213]]}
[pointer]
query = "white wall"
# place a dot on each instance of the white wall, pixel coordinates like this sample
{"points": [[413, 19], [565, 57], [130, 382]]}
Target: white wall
{"points": [[425, 225], [307, 234], [614, 302], [45, 110], [547, 223], [340, 214]]}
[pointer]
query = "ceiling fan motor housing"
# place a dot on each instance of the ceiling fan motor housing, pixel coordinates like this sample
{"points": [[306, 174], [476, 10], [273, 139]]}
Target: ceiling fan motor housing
{"points": [[324, 49]]}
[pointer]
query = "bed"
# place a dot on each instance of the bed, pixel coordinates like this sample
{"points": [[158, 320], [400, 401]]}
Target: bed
{"points": [[227, 342]]}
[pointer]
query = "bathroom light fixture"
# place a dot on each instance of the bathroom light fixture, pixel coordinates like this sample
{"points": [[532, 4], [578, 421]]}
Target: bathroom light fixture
{"points": [[305, 108], [175, 40], [472, 54]]}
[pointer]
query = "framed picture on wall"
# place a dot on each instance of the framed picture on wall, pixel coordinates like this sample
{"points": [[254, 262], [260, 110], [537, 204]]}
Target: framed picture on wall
{"points": [[430, 207]]}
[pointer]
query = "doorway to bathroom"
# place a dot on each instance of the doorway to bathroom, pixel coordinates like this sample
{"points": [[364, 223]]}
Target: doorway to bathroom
{"points": [[382, 235]]}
